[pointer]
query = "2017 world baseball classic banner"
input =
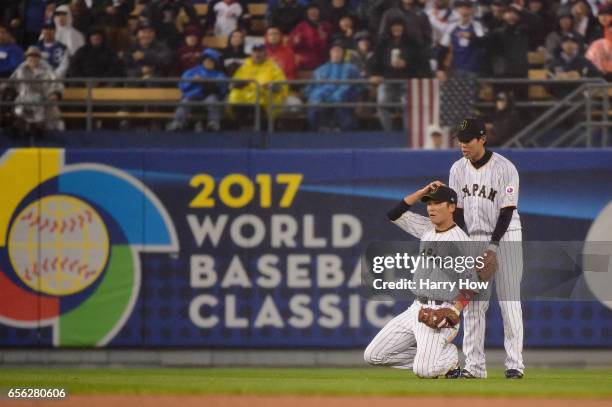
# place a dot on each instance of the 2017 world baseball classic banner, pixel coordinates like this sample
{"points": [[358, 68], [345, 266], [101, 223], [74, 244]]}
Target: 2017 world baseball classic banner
{"points": [[256, 248]]}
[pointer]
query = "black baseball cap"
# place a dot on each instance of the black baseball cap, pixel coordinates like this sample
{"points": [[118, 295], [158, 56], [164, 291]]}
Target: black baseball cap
{"points": [[470, 128], [441, 194]]}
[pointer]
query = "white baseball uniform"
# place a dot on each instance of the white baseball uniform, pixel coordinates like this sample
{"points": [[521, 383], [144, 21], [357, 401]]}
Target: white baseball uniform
{"points": [[406, 343], [482, 192]]}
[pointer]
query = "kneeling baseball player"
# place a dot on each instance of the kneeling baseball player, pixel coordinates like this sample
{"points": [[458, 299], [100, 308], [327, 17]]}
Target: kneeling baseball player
{"points": [[420, 337]]}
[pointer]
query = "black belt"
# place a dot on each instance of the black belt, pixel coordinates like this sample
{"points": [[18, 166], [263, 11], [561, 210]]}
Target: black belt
{"points": [[426, 301]]}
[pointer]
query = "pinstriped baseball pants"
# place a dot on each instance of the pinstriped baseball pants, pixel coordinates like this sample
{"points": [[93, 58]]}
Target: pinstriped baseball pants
{"points": [[508, 287], [406, 343]]}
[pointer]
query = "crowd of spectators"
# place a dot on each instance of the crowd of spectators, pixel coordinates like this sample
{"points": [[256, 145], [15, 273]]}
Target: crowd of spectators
{"points": [[377, 40]]}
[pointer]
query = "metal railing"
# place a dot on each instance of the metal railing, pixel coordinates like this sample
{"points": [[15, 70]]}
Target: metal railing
{"points": [[90, 102], [590, 97], [580, 99]]}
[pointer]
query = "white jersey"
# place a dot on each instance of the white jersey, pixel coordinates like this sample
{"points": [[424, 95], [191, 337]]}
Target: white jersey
{"points": [[227, 18], [442, 244], [482, 192], [421, 227], [405, 342]]}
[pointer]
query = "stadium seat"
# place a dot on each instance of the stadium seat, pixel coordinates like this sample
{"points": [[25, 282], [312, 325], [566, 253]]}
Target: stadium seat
{"points": [[210, 41], [201, 9], [258, 17], [258, 9], [536, 58], [537, 92], [122, 95]]}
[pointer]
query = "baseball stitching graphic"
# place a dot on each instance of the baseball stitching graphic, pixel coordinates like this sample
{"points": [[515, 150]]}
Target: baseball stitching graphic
{"points": [[58, 245]]}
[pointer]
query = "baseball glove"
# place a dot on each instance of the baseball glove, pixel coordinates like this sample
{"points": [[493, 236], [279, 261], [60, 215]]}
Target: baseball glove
{"points": [[490, 266], [439, 318]]}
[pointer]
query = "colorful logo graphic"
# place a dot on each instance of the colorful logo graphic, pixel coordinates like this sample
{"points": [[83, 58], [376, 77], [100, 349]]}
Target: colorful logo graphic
{"points": [[70, 244]]}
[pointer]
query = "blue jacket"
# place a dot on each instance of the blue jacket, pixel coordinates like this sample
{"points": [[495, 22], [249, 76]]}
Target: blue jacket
{"points": [[193, 90], [11, 56], [331, 93]]}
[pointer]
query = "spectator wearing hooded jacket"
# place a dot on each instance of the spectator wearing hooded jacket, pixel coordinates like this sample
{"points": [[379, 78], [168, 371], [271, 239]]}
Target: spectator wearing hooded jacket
{"points": [[335, 69], [418, 27], [509, 45], [362, 55], [11, 55], [542, 23], [310, 39], [65, 32], [95, 59], [208, 92], [82, 18], [396, 57], [505, 122], [40, 116], [261, 69]]}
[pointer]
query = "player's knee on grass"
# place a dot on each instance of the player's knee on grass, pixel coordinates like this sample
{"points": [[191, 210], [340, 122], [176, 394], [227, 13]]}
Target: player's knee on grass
{"points": [[372, 358], [427, 372], [422, 371], [427, 367]]}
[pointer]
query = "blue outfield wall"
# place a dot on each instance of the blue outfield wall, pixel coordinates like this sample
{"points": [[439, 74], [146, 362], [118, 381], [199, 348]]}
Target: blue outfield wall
{"points": [[136, 138], [248, 248]]}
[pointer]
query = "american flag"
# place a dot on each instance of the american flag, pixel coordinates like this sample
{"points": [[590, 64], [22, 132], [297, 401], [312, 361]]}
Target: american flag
{"points": [[431, 103], [423, 104]]}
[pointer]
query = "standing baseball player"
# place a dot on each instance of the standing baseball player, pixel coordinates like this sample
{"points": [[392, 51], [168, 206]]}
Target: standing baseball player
{"points": [[420, 337], [488, 187]]}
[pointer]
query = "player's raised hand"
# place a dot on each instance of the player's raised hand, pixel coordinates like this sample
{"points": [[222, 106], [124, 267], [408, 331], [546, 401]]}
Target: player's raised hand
{"points": [[415, 196], [432, 186]]}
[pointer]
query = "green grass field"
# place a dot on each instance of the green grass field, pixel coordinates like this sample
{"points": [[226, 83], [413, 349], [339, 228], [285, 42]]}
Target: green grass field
{"points": [[316, 381]]}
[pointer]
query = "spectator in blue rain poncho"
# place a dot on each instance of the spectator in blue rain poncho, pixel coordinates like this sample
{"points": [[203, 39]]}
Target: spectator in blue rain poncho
{"points": [[336, 69], [208, 92]]}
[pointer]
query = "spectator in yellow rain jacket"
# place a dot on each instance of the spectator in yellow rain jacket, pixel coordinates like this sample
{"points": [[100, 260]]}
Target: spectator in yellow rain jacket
{"points": [[263, 70]]}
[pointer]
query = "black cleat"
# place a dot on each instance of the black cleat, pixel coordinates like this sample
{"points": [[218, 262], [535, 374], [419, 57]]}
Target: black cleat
{"points": [[453, 373], [465, 374], [513, 374]]}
